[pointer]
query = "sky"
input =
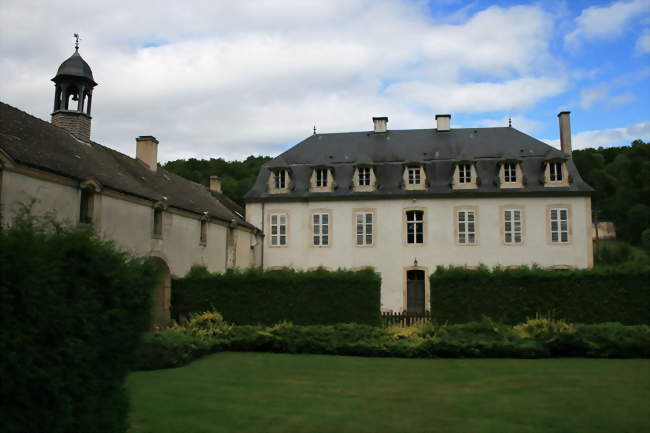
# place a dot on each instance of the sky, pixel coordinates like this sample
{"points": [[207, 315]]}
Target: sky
{"points": [[223, 78]]}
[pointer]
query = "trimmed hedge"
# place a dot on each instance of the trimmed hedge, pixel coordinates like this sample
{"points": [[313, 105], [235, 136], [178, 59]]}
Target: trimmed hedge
{"points": [[616, 294], [262, 297], [72, 311]]}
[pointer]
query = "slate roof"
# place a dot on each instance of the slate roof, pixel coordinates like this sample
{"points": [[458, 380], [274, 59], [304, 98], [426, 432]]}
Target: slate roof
{"points": [[75, 66], [39, 144], [437, 151]]}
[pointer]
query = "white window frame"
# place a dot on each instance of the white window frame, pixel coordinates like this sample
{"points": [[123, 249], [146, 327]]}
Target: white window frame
{"points": [[555, 172], [513, 226], [559, 226], [364, 176], [466, 221], [364, 226], [321, 229], [279, 221], [415, 226], [510, 172], [414, 175], [464, 173], [280, 178], [321, 178]]}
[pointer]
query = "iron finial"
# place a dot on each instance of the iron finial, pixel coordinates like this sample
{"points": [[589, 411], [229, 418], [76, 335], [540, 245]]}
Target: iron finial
{"points": [[509, 122], [76, 41], [314, 129]]}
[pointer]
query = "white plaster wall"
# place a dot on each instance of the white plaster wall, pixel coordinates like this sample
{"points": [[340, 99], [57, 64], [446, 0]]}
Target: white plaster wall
{"points": [[390, 254]]}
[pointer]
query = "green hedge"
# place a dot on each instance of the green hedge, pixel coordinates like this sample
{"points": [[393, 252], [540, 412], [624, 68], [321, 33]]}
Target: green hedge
{"points": [[616, 294], [72, 311], [266, 297]]}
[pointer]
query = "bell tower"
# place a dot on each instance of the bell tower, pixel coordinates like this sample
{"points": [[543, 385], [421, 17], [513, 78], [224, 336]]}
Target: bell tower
{"points": [[73, 95]]}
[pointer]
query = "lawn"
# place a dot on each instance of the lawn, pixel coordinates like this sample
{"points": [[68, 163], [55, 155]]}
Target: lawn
{"points": [[264, 392]]}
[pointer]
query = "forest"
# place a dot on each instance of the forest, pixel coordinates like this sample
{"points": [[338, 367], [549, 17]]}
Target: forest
{"points": [[619, 175]]}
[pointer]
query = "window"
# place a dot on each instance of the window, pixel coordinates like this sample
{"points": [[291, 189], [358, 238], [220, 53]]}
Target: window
{"points": [[466, 227], [512, 226], [157, 222], [86, 206], [278, 230], [204, 233], [414, 176], [555, 171], [321, 229], [510, 172], [464, 173], [560, 225], [415, 227], [321, 177], [364, 228], [279, 179], [364, 176]]}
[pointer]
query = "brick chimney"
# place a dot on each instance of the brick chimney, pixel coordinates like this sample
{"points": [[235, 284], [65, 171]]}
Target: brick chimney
{"points": [[380, 124], [443, 122], [565, 132], [215, 184], [147, 151]]}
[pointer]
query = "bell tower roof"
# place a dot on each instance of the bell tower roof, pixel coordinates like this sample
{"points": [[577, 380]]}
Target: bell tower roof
{"points": [[75, 66]]}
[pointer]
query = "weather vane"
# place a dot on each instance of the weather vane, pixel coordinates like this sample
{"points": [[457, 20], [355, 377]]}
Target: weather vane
{"points": [[510, 122], [76, 41], [314, 129]]}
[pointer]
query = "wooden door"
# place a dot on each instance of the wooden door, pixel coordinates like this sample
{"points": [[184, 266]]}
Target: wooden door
{"points": [[415, 292]]}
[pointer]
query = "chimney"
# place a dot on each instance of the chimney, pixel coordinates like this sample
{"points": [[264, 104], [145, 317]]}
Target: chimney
{"points": [[215, 184], [565, 132], [381, 124], [443, 122], [147, 151]]}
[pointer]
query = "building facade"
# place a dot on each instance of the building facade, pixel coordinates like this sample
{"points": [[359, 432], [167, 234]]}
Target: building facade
{"points": [[405, 202], [56, 169]]}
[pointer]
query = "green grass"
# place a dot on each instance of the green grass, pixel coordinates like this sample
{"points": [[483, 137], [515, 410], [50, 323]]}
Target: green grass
{"points": [[263, 392]]}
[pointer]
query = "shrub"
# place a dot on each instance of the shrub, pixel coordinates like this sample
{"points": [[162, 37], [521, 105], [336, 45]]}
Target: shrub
{"points": [[262, 297], [72, 311], [207, 325], [169, 348], [543, 328]]}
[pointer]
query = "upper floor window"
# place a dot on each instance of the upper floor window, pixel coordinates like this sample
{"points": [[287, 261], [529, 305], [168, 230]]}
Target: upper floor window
{"points": [[364, 222], [364, 176], [203, 239], [414, 227], [278, 229], [321, 230], [280, 179], [86, 206], [466, 220], [464, 173], [321, 177], [157, 222], [555, 171], [512, 226], [510, 172], [414, 175], [559, 225]]}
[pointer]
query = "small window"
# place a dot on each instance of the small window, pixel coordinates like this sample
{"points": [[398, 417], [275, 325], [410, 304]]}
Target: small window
{"points": [[559, 225], [157, 223], [364, 228], [512, 226], [414, 176], [204, 232], [555, 171], [321, 177], [364, 176], [510, 173], [278, 229], [415, 227], [86, 206], [279, 179], [464, 173], [321, 229], [466, 227]]}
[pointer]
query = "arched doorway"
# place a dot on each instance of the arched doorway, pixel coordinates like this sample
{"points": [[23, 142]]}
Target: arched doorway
{"points": [[160, 316]]}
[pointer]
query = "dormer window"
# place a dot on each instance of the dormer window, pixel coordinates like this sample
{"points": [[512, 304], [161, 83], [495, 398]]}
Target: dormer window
{"points": [[414, 175], [321, 178], [363, 179], [364, 176], [280, 179], [509, 172], [464, 173], [555, 172], [510, 175]]}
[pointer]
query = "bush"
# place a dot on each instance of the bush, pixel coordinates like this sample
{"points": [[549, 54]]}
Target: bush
{"points": [[169, 348], [207, 325], [72, 311], [266, 297], [615, 294]]}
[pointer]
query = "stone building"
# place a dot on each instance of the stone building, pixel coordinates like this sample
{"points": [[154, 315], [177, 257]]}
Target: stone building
{"points": [[142, 207], [406, 201]]}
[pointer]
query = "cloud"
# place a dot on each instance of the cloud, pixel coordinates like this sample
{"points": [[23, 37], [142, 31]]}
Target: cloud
{"points": [[608, 137], [643, 43], [605, 22], [602, 95], [521, 123]]}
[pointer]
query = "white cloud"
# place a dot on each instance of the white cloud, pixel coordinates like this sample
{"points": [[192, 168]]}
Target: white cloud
{"points": [[602, 94], [604, 22], [643, 43], [522, 123], [608, 137]]}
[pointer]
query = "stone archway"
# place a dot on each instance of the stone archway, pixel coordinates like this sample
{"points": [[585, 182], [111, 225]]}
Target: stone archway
{"points": [[160, 315]]}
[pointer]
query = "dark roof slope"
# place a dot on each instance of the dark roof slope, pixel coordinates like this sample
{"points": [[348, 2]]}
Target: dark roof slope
{"points": [[75, 66], [437, 151], [36, 143]]}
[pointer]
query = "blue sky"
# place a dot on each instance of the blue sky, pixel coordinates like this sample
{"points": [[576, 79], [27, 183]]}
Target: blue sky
{"points": [[229, 79]]}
